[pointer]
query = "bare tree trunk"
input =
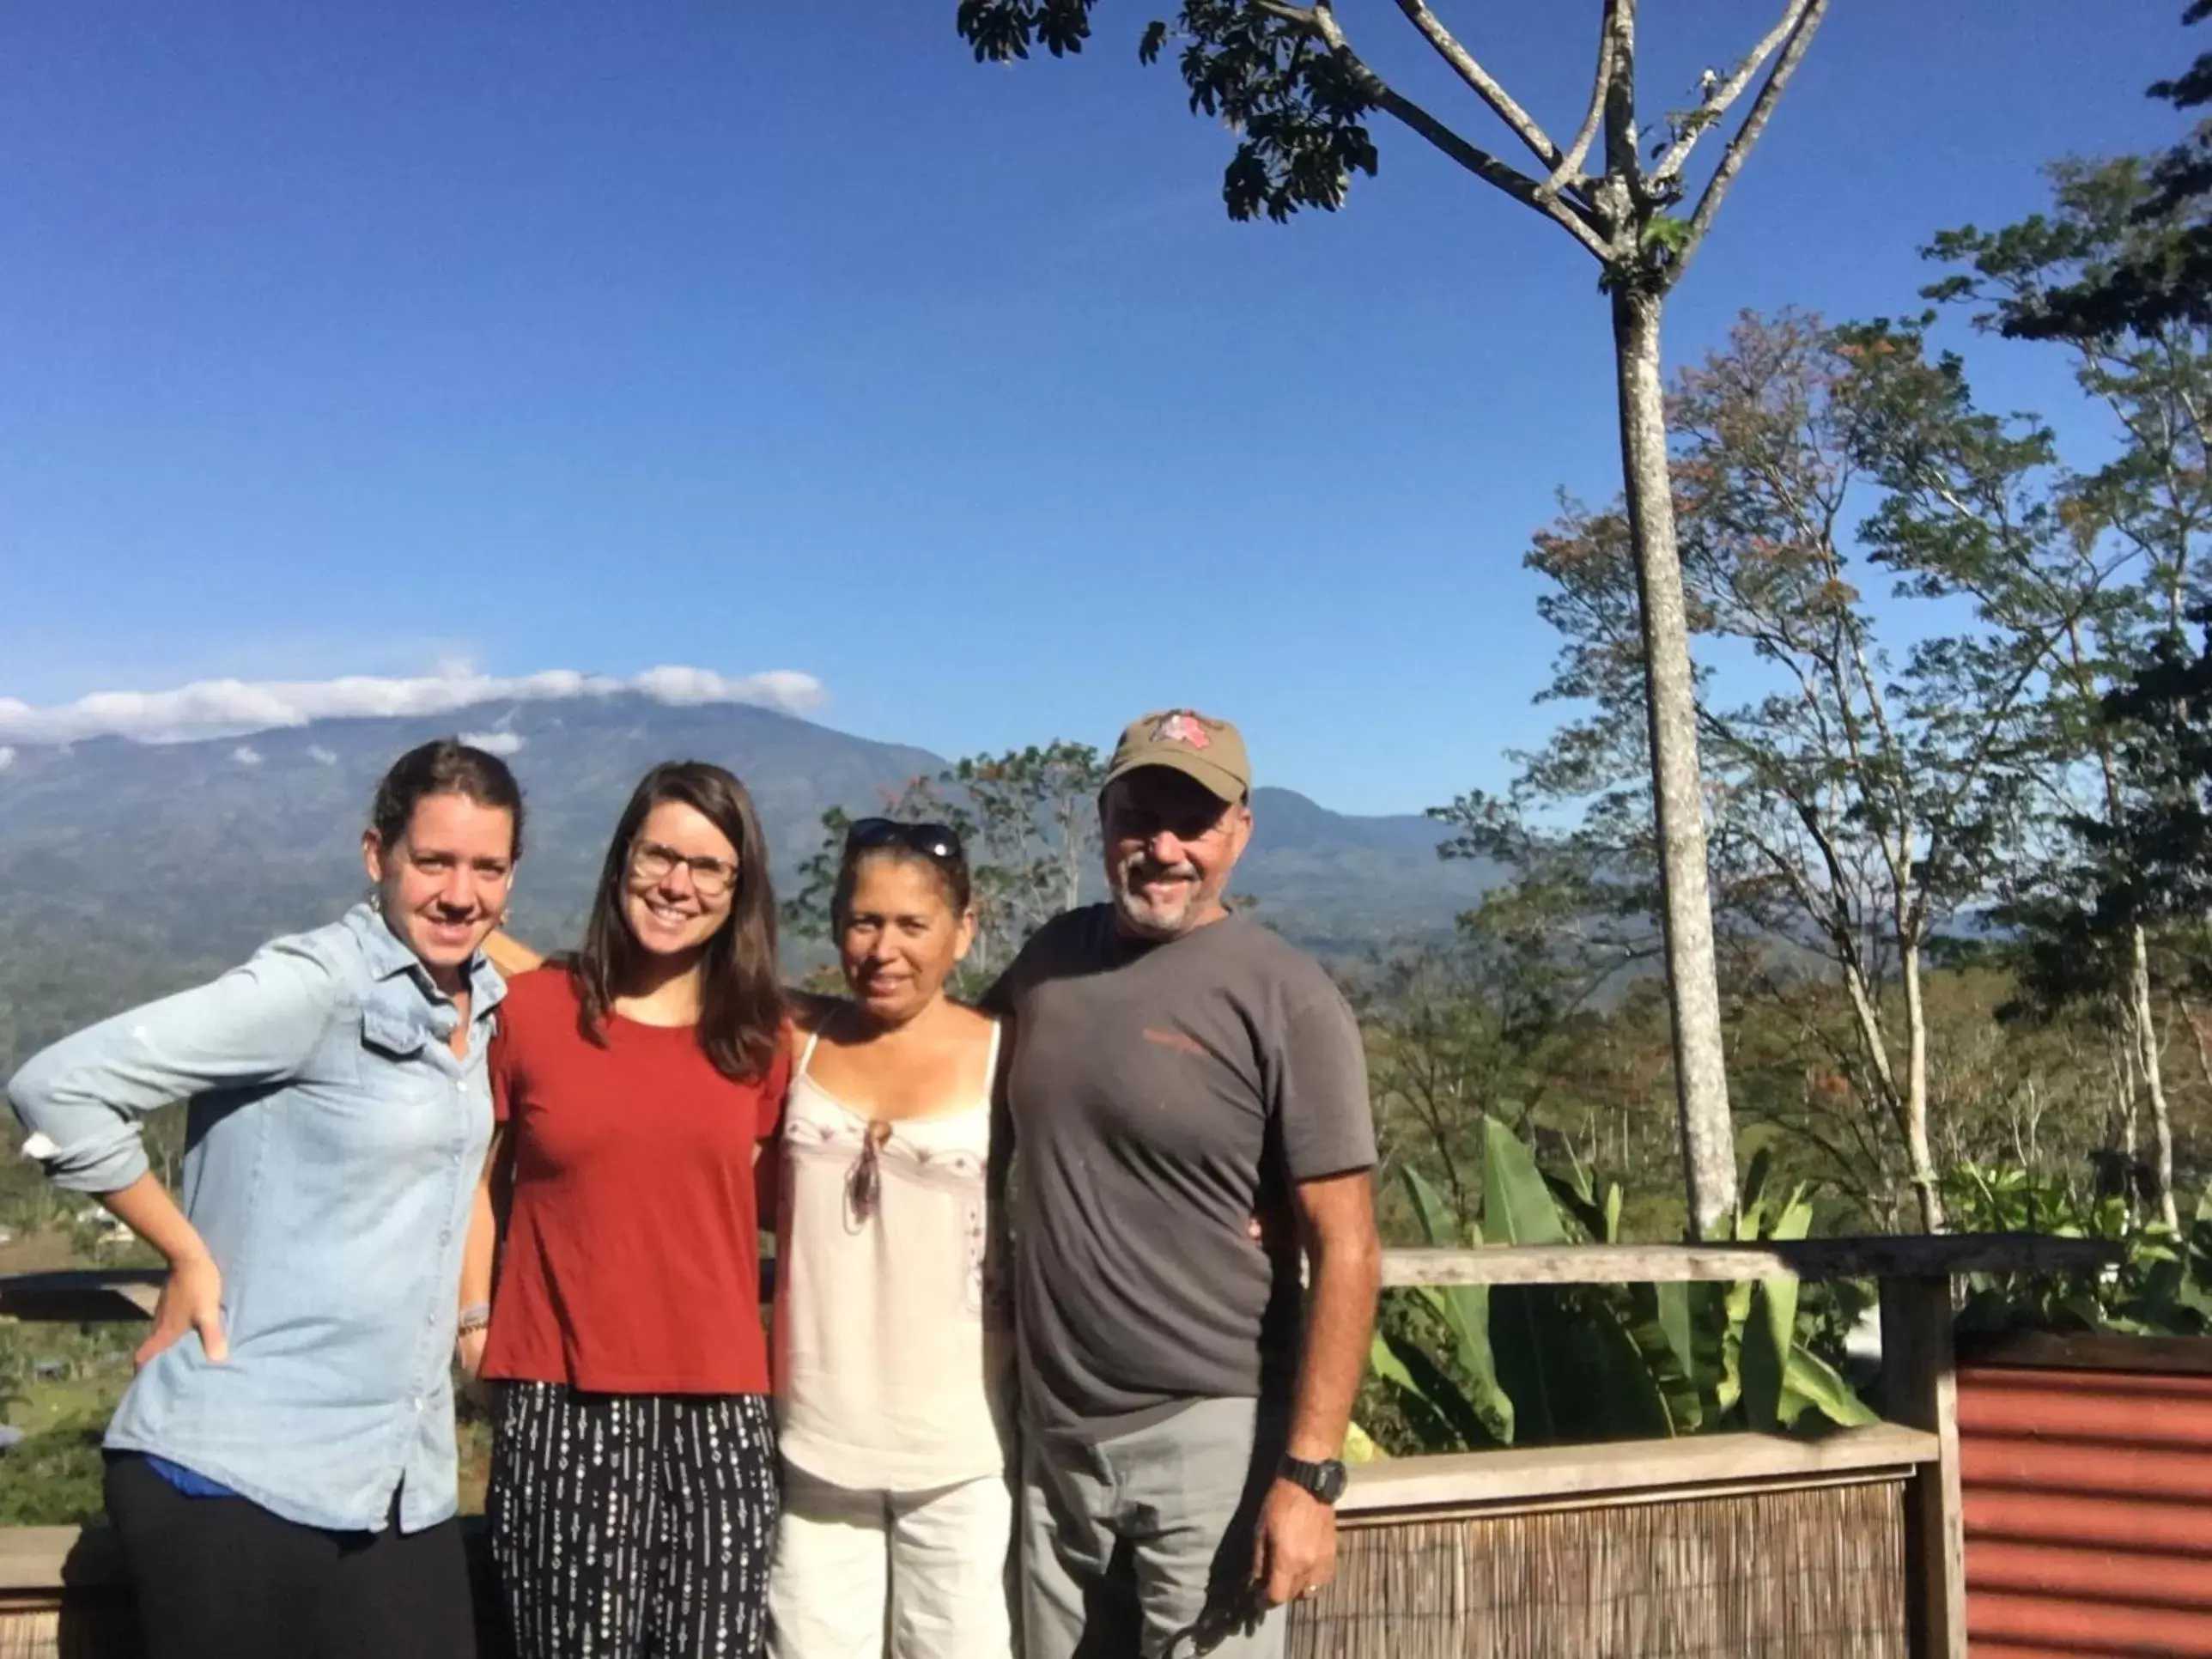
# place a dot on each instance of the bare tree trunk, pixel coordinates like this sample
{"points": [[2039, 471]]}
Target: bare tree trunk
{"points": [[2122, 1059], [2189, 1017], [2029, 1154], [1926, 1191], [1693, 979], [2144, 1018]]}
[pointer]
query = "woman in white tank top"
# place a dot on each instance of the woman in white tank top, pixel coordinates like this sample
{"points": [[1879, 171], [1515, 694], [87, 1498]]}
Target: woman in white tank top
{"points": [[890, 1354]]}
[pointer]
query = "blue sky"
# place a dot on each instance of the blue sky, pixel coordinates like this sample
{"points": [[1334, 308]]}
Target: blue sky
{"points": [[367, 339]]}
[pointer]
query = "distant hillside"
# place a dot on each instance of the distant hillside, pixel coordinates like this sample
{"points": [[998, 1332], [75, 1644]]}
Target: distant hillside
{"points": [[1344, 885], [127, 869]]}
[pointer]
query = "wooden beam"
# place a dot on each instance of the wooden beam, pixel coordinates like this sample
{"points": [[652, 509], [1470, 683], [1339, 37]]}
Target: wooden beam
{"points": [[52, 1558], [130, 1292], [1651, 1470], [1943, 1255], [1920, 1390], [115, 1293]]}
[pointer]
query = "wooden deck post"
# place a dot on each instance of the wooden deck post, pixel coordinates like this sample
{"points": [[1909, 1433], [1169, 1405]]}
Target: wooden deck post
{"points": [[1920, 1386]]}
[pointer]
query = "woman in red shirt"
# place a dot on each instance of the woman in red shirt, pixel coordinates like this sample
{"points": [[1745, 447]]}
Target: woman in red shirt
{"points": [[632, 1495]]}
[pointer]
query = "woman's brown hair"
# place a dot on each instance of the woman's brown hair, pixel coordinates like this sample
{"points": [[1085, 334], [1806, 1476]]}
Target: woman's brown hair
{"points": [[444, 766], [740, 990]]}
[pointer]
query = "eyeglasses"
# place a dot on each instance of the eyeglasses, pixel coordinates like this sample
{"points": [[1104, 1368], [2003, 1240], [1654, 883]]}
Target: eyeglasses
{"points": [[711, 877], [939, 842]]}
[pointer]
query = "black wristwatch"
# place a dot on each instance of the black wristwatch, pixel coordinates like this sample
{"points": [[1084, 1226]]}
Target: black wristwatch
{"points": [[1325, 1480]]}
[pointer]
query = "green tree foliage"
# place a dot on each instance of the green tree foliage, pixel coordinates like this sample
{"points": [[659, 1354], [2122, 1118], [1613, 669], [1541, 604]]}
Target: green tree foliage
{"points": [[2163, 1285], [1521, 1017], [2083, 917], [1860, 796], [2162, 276], [53, 1477], [2156, 860], [1029, 821]]}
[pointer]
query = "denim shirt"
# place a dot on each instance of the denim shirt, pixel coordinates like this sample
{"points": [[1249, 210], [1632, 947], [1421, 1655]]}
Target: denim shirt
{"points": [[333, 1146]]}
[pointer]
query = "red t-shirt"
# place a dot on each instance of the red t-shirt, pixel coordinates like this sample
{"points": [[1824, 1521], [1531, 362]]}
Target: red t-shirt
{"points": [[631, 1263]]}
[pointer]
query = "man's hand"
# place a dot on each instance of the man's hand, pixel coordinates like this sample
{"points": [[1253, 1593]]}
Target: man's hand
{"points": [[1296, 1549], [192, 1300]]}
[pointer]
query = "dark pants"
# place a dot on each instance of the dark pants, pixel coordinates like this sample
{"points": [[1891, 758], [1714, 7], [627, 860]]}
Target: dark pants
{"points": [[633, 1526], [224, 1578]]}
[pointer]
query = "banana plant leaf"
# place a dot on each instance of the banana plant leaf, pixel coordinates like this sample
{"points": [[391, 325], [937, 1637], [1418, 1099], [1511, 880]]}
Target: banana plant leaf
{"points": [[1572, 1193], [1405, 1365], [1770, 1330], [1530, 1363], [1464, 1311], [1812, 1384], [1657, 1321], [1570, 1367]]}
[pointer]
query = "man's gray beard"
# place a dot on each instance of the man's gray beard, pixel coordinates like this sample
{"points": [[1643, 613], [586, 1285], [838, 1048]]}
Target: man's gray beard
{"points": [[1141, 921]]}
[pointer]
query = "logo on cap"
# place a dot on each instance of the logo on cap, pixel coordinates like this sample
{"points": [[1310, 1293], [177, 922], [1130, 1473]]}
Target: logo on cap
{"points": [[1182, 726]]}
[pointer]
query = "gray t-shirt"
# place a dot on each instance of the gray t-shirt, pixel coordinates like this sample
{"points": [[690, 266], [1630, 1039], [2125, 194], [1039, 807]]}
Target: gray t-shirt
{"points": [[1161, 1095]]}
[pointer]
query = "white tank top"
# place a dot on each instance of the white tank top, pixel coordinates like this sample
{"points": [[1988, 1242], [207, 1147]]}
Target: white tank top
{"points": [[888, 1374]]}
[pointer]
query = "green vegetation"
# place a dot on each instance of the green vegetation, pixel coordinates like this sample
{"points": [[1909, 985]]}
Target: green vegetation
{"points": [[1473, 1366], [2163, 1286], [58, 1383]]}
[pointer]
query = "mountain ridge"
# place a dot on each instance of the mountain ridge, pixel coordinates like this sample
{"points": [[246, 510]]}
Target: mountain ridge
{"points": [[128, 868]]}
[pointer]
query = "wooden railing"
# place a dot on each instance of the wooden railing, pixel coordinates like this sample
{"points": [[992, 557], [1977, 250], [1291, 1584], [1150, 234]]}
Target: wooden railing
{"points": [[1849, 1544]]}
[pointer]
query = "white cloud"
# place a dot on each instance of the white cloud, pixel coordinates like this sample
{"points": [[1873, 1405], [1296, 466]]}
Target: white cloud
{"points": [[246, 755], [7, 758], [222, 708], [494, 742], [323, 756]]}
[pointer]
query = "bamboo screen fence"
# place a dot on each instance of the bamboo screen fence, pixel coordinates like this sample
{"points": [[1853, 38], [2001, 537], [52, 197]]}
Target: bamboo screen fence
{"points": [[1814, 1573]]}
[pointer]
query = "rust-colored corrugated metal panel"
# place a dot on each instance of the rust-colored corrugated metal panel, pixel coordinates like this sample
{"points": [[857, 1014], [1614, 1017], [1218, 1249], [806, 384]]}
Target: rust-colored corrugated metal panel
{"points": [[2089, 1512], [2116, 1408], [2037, 1463], [2065, 1569]]}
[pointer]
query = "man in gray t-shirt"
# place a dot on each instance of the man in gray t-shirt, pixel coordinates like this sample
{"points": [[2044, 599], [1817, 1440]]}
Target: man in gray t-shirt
{"points": [[1176, 1072]]}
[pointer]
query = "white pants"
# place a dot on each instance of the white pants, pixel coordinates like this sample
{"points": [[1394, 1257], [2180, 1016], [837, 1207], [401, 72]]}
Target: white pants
{"points": [[891, 1575]]}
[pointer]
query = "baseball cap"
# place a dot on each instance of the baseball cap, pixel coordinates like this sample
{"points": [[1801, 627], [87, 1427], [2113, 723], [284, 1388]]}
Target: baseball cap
{"points": [[1210, 750]]}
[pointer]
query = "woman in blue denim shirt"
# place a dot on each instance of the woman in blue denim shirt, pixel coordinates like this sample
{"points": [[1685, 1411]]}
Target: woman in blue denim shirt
{"points": [[281, 1470]]}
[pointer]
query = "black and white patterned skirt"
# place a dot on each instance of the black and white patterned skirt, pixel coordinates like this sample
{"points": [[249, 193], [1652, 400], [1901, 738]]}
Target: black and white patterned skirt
{"points": [[625, 1526]]}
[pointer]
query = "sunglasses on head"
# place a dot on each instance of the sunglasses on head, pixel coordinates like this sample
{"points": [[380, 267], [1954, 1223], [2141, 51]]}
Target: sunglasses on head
{"points": [[933, 840]]}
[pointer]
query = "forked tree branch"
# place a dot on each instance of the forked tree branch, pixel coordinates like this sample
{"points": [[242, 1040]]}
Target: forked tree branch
{"points": [[1808, 13], [1722, 98], [1486, 85], [1528, 191], [1620, 156], [1571, 163]]}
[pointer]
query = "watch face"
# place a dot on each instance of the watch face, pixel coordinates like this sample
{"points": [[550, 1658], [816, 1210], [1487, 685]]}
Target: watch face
{"points": [[1325, 1480]]}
